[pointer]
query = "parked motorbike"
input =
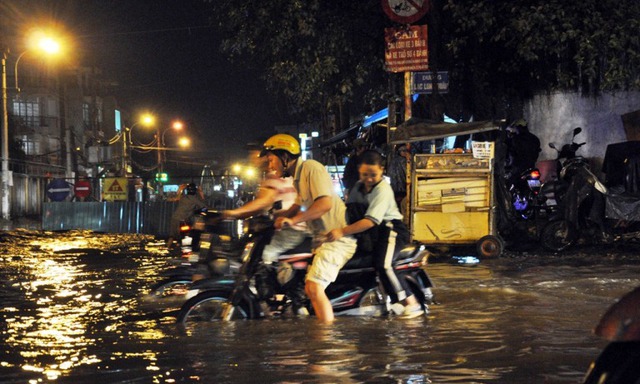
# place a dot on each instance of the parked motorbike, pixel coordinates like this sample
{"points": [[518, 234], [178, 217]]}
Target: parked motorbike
{"points": [[619, 362], [553, 191], [525, 193], [355, 292], [585, 212]]}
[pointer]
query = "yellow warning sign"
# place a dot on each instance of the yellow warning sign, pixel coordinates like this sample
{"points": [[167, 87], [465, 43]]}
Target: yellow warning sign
{"points": [[115, 189]]}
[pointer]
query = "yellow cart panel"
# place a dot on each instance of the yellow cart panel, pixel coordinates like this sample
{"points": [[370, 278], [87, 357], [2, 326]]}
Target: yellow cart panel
{"points": [[455, 227]]}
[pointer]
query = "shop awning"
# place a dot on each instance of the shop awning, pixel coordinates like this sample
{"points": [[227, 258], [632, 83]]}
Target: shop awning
{"points": [[349, 132], [420, 130]]}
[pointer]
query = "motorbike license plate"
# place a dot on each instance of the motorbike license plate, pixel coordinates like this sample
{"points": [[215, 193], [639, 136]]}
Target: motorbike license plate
{"points": [[534, 183]]}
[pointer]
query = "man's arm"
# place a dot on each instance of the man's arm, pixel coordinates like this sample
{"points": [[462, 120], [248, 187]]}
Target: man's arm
{"points": [[319, 207], [265, 199]]}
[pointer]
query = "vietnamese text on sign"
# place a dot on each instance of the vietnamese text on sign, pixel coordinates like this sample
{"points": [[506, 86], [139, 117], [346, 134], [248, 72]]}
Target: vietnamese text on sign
{"points": [[406, 49], [423, 82]]}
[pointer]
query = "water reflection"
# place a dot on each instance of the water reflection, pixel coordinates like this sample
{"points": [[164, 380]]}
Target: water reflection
{"points": [[53, 299], [72, 314]]}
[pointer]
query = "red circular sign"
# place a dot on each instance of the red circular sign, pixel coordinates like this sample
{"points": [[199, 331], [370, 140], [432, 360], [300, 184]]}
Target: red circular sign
{"points": [[405, 11], [82, 188]]}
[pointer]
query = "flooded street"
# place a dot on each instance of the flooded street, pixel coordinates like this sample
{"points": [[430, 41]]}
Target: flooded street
{"points": [[74, 312]]}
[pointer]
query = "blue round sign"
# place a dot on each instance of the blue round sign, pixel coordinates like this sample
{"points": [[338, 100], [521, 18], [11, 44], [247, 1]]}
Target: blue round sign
{"points": [[58, 190]]}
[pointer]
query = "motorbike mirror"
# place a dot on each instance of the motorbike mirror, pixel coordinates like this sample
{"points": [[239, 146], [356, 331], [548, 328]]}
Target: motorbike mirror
{"points": [[552, 146], [576, 131]]}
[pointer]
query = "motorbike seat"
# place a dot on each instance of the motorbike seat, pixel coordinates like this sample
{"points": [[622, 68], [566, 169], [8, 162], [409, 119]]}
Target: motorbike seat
{"points": [[622, 206], [365, 259], [304, 247]]}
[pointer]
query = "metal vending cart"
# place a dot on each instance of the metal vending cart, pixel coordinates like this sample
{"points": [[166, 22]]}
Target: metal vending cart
{"points": [[452, 195]]}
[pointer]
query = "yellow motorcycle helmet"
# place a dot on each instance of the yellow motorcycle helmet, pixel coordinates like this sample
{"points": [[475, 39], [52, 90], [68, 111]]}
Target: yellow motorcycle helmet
{"points": [[281, 142]]}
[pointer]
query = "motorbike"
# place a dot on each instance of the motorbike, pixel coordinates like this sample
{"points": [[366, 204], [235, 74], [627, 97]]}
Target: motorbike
{"points": [[525, 192], [210, 247], [552, 191], [356, 291], [590, 211], [619, 362]]}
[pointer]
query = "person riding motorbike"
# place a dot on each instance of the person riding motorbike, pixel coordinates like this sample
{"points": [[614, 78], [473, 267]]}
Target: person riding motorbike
{"points": [[276, 193], [190, 199], [382, 216], [319, 205]]}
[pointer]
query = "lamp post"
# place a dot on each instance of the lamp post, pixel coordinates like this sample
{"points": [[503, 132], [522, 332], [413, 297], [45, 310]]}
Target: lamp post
{"points": [[176, 126], [6, 206], [49, 46], [146, 120]]}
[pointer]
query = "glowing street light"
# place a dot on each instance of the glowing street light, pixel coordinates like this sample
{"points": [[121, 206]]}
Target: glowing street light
{"points": [[184, 142], [177, 125]]}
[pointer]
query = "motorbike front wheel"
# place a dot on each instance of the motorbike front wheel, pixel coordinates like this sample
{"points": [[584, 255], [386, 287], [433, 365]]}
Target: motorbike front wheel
{"points": [[211, 306], [171, 287], [557, 236]]}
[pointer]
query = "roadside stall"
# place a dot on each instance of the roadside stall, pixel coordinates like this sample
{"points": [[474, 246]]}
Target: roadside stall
{"points": [[451, 198]]}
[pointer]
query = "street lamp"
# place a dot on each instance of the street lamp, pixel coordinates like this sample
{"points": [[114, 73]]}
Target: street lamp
{"points": [[48, 45], [184, 142], [176, 126], [146, 120]]}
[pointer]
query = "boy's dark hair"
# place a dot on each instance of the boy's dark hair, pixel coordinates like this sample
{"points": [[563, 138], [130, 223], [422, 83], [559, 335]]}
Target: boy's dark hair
{"points": [[371, 157]]}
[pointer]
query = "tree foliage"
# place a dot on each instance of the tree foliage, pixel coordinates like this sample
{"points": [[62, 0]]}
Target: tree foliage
{"points": [[317, 53], [523, 47], [326, 53]]}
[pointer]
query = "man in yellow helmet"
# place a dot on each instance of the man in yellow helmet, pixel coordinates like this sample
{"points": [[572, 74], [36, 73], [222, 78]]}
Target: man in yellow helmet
{"points": [[321, 208]]}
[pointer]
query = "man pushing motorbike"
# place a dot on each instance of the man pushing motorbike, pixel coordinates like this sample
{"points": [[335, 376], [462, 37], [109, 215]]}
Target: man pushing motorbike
{"points": [[321, 208]]}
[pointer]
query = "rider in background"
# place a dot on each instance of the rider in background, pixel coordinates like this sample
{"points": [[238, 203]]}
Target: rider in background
{"points": [[523, 148], [322, 209], [190, 199], [382, 214]]}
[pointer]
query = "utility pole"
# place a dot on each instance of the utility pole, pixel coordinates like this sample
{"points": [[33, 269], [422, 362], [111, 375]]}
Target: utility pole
{"points": [[6, 201]]}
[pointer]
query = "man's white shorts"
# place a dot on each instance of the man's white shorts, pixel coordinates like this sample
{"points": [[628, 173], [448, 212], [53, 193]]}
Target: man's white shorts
{"points": [[329, 258]]}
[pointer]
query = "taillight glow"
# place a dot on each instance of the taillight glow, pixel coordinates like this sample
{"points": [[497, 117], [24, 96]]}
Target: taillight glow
{"points": [[535, 174], [184, 228]]}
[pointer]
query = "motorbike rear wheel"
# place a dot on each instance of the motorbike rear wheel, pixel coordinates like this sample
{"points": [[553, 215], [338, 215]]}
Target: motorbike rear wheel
{"points": [[210, 306], [557, 236]]}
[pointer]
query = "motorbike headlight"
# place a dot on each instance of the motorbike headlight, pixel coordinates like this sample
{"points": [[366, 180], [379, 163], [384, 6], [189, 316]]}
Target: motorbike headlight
{"points": [[219, 266]]}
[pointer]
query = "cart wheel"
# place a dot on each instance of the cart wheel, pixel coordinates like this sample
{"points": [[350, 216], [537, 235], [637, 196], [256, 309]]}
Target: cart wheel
{"points": [[489, 246]]}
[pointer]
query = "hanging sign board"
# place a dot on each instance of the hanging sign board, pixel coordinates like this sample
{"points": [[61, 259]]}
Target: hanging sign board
{"points": [[405, 11], [406, 49], [115, 189]]}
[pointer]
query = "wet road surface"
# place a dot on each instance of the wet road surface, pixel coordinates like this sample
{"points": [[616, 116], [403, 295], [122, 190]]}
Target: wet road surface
{"points": [[75, 311]]}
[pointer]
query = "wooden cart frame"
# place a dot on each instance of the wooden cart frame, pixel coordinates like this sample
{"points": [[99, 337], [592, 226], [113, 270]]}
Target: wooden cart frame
{"points": [[451, 196]]}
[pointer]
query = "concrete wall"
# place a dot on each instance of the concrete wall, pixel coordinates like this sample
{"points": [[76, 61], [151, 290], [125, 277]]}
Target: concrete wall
{"points": [[553, 117]]}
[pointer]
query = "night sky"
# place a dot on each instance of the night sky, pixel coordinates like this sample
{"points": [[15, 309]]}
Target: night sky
{"points": [[165, 57]]}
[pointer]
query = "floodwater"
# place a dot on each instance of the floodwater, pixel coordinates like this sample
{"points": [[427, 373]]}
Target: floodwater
{"points": [[73, 312]]}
